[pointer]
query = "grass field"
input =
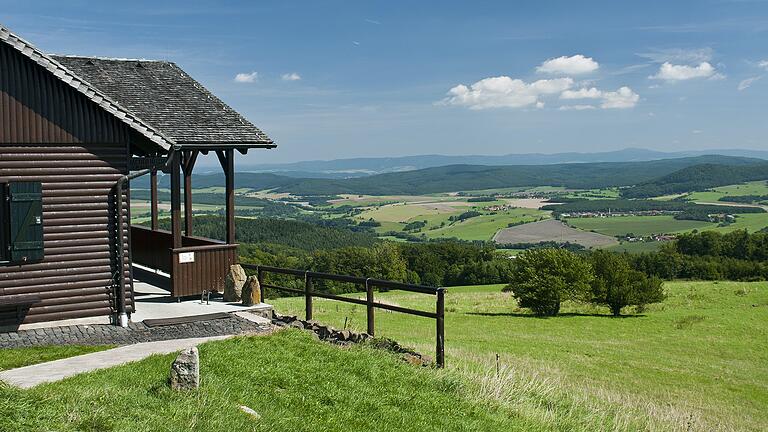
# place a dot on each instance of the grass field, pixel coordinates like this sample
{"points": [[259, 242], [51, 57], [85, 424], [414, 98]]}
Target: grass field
{"points": [[647, 225], [293, 382], [751, 188], [11, 358], [639, 225], [693, 363], [485, 227]]}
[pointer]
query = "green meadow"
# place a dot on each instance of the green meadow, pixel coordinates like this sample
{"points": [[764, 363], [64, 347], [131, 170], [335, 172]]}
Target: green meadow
{"points": [[695, 362]]}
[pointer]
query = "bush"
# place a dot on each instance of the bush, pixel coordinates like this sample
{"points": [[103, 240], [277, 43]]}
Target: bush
{"points": [[617, 285], [543, 278]]}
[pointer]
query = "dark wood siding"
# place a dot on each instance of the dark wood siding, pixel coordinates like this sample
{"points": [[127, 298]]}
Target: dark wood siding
{"points": [[52, 134]]}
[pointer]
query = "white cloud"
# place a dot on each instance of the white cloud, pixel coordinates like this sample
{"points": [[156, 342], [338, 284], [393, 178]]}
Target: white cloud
{"points": [[624, 97], [247, 77], [293, 76], [744, 84], [504, 92], [763, 64], [573, 65], [678, 55], [672, 72], [582, 93], [577, 107]]}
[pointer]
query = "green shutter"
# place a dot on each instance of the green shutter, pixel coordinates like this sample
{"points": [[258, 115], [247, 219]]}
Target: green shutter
{"points": [[5, 249], [26, 217]]}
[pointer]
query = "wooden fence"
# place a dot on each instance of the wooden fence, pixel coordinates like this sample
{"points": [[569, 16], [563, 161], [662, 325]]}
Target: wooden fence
{"points": [[370, 303]]}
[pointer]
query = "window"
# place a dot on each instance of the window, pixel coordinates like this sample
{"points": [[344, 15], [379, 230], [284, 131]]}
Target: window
{"points": [[22, 217]]}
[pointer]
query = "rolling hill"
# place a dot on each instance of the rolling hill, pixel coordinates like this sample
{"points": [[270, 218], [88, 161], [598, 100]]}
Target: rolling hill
{"points": [[698, 178], [469, 177]]}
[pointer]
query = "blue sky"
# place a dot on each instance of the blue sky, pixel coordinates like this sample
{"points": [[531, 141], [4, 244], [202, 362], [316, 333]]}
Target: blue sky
{"points": [[335, 79]]}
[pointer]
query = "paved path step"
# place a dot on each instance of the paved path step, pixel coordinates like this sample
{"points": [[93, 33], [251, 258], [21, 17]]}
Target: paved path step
{"points": [[30, 376]]}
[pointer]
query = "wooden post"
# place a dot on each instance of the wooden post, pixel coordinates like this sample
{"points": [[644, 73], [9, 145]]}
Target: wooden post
{"points": [[176, 199], [189, 163], [308, 295], [230, 191], [369, 307], [440, 354], [153, 197]]}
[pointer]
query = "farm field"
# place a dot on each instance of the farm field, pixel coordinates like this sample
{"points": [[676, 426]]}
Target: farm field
{"points": [[638, 225], [693, 363], [486, 226], [551, 230], [713, 195], [647, 225]]}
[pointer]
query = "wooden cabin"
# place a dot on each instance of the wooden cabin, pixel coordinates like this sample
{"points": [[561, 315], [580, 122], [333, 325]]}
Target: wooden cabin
{"points": [[73, 132]]}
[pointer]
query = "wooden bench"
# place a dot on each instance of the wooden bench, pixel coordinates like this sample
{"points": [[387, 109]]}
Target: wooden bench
{"points": [[19, 301]]}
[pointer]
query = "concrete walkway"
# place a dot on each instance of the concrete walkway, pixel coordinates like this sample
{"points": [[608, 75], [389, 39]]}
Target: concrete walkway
{"points": [[30, 376]]}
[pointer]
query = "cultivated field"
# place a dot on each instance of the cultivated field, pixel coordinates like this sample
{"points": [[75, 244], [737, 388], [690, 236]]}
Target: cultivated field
{"points": [[638, 225], [750, 188], [647, 225], [693, 363], [551, 230]]}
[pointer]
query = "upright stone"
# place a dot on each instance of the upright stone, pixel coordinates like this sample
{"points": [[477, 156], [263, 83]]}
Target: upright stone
{"points": [[233, 285], [185, 370], [251, 291]]}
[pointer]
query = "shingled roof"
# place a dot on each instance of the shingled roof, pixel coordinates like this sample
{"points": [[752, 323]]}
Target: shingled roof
{"points": [[164, 96]]}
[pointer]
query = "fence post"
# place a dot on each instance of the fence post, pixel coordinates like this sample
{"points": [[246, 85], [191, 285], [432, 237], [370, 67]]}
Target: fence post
{"points": [[308, 295], [440, 354], [260, 278], [369, 307]]}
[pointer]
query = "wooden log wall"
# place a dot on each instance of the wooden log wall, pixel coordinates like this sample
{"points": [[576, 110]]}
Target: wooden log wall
{"points": [[52, 134]]}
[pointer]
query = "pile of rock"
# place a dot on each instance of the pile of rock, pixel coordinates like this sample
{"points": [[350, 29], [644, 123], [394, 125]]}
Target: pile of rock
{"points": [[240, 287], [347, 337]]}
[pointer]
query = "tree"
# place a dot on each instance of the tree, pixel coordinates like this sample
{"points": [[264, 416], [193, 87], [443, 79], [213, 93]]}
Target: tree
{"points": [[544, 278], [617, 285]]}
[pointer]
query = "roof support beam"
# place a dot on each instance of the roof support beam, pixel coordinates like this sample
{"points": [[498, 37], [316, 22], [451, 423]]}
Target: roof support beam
{"points": [[227, 161], [176, 199], [153, 197], [190, 156]]}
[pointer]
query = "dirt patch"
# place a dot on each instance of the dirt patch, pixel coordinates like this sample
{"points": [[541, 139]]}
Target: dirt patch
{"points": [[551, 230]]}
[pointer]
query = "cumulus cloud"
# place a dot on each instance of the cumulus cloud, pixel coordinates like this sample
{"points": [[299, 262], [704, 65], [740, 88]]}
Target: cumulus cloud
{"points": [[744, 84], [672, 72], [624, 97], [505, 92], [582, 93], [293, 76], [247, 77], [574, 65]]}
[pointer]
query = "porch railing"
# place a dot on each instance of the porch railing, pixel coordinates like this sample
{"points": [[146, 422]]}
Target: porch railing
{"points": [[201, 264], [370, 303]]}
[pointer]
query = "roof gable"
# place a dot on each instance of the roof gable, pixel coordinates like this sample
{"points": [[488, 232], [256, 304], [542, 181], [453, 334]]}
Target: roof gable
{"points": [[168, 98], [82, 86]]}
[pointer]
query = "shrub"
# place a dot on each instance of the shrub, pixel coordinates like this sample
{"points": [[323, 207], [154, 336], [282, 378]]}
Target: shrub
{"points": [[543, 278], [617, 285]]}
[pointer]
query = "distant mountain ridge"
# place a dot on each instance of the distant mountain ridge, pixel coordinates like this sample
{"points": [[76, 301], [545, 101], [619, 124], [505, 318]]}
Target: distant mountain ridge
{"points": [[359, 167], [469, 177]]}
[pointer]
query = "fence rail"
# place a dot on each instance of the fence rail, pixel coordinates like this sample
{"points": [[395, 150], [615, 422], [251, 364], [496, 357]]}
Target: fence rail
{"points": [[370, 302]]}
